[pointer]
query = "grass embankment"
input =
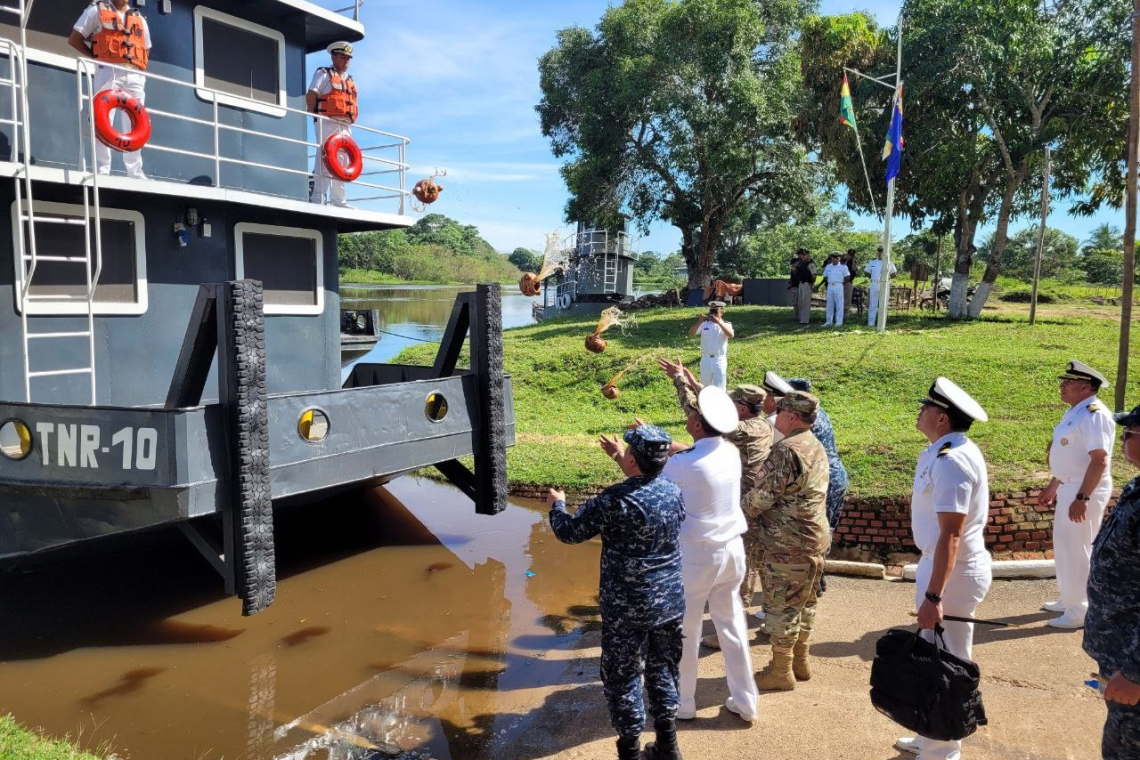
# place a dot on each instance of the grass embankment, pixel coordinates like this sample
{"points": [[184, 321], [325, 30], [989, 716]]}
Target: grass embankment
{"points": [[350, 277], [18, 743], [869, 384]]}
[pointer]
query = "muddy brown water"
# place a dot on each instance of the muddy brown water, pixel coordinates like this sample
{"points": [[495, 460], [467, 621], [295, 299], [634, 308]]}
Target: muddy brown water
{"points": [[404, 622]]}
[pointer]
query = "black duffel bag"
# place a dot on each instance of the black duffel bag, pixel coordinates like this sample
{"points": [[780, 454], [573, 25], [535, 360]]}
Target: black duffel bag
{"points": [[923, 687]]}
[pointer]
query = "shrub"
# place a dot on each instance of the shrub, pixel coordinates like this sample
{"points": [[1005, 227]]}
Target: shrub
{"points": [[1024, 296]]}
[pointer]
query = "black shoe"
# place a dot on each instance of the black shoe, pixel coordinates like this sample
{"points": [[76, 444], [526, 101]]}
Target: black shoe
{"points": [[629, 749], [665, 748]]}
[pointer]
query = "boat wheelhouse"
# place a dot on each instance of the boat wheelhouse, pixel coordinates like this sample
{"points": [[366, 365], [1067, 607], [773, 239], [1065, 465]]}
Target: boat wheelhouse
{"points": [[171, 352], [598, 273]]}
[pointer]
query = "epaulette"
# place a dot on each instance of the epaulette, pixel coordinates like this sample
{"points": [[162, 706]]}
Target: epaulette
{"points": [[1094, 407], [683, 451], [945, 447]]}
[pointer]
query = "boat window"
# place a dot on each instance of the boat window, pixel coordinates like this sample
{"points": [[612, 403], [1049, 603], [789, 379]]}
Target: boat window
{"points": [[287, 261], [241, 59], [61, 252]]}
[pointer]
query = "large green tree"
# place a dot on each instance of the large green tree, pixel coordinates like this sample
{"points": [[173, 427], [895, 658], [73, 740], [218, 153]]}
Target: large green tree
{"points": [[679, 110], [1059, 257]]}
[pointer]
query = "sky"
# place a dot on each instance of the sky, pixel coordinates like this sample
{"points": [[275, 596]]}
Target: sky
{"points": [[460, 79]]}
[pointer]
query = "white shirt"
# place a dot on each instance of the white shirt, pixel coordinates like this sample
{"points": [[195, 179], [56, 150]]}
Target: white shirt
{"points": [[714, 340], [709, 477], [777, 436], [951, 477], [835, 274], [874, 268], [322, 82], [1086, 427], [88, 23]]}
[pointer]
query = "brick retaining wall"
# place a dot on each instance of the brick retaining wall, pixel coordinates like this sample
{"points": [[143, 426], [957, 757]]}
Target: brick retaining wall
{"points": [[878, 529]]}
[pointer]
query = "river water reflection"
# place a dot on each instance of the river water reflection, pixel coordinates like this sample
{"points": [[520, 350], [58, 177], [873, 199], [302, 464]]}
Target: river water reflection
{"points": [[403, 621], [410, 314]]}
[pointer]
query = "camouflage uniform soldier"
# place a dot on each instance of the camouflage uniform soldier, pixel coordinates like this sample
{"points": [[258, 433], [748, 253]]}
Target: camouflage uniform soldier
{"points": [[1112, 637], [753, 438], [789, 502], [642, 598]]}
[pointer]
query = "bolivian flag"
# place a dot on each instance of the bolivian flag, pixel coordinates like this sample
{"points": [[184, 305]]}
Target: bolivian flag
{"points": [[893, 147], [846, 110]]}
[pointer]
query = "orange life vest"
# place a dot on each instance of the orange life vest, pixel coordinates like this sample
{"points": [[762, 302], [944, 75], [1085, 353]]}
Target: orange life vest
{"points": [[340, 100], [120, 41]]}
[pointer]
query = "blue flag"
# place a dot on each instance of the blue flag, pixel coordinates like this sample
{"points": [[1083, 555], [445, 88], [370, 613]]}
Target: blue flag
{"points": [[893, 148]]}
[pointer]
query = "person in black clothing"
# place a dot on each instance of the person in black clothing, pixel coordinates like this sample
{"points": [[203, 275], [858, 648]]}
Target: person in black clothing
{"points": [[849, 283], [803, 280]]}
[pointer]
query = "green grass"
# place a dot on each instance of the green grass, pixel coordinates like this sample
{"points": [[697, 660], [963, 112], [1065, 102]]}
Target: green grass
{"points": [[18, 743], [869, 384]]}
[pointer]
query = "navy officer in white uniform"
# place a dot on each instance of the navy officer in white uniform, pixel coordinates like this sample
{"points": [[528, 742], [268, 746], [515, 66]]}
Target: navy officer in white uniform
{"points": [[949, 509], [712, 551], [714, 332], [1080, 459]]}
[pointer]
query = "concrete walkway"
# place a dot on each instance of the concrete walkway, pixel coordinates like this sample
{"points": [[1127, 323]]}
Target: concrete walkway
{"points": [[1032, 687]]}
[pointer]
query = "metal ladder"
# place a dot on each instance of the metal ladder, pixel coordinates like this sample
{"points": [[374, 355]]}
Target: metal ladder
{"points": [[27, 218], [609, 266]]}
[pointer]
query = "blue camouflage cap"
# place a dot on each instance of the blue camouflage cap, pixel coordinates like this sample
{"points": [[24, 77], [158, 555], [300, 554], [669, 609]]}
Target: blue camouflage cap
{"points": [[649, 440]]}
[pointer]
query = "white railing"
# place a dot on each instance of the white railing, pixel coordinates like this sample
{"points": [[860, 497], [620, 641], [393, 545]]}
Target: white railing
{"points": [[343, 7], [384, 153], [597, 242]]}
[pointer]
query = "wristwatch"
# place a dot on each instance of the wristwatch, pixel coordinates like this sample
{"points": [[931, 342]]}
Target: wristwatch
{"points": [[933, 598], [1081, 497]]}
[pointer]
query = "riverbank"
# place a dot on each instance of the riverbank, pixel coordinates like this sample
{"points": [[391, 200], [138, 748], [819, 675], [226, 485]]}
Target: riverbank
{"points": [[869, 383], [19, 743]]}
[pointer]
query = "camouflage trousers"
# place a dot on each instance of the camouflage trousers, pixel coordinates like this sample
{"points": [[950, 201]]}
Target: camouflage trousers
{"points": [[630, 651], [1121, 739], [753, 560], [791, 586]]}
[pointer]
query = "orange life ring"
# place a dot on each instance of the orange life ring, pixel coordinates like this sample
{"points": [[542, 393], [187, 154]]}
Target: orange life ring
{"points": [[333, 146], [106, 102]]}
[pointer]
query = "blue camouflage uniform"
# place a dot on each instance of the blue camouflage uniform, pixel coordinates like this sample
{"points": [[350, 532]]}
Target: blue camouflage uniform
{"points": [[642, 599], [837, 484], [1112, 626]]}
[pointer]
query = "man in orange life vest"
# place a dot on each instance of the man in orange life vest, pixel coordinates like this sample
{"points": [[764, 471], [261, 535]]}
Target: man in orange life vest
{"points": [[332, 94], [112, 32]]}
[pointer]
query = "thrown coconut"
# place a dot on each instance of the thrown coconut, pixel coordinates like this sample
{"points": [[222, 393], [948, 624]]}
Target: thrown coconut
{"points": [[610, 391], [529, 284], [595, 343]]}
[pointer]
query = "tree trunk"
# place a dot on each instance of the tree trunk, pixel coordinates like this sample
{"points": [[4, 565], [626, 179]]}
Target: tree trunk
{"points": [[964, 258], [691, 255], [1000, 240]]}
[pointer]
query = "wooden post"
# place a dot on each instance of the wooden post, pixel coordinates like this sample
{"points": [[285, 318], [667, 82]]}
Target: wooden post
{"points": [[938, 272], [1129, 215], [1041, 238]]}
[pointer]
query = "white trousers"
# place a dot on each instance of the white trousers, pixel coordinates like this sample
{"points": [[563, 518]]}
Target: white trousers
{"points": [[968, 585], [714, 370], [324, 182], [712, 574], [834, 304], [134, 84], [1072, 545], [873, 304]]}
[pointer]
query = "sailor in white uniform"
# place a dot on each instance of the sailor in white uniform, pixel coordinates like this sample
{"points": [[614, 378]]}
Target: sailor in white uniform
{"points": [[712, 551], [714, 332], [777, 388], [835, 274], [1080, 458], [874, 268], [949, 509]]}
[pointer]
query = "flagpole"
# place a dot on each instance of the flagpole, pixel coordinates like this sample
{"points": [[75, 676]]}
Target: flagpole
{"points": [[885, 272], [866, 174]]}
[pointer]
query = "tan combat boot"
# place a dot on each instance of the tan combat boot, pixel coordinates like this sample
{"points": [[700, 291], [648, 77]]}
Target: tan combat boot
{"points": [[801, 665], [778, 675]]}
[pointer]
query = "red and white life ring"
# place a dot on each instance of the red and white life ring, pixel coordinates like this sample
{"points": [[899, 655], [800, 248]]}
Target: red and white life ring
{"points": [[342, 141], [106, 103]]}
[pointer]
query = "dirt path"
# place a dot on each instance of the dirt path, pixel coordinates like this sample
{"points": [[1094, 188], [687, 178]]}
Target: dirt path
{"points": [[1032, 685]]}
